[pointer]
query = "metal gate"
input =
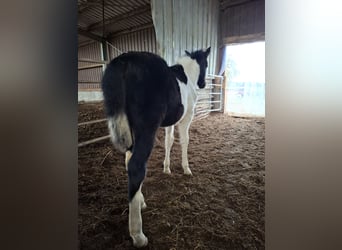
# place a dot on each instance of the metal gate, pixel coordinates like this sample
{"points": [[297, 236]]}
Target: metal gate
{"points": [[210, 98]]}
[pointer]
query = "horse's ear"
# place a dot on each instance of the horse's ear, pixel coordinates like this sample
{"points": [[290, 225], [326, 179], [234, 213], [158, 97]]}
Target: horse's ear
{"points": [[207, 51], [187, 53]]}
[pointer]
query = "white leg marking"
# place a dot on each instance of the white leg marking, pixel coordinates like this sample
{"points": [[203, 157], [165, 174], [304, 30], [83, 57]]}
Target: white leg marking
{"points": [[169, 138], [143, 204], [183, 127], [135, 221], [128, 157]]}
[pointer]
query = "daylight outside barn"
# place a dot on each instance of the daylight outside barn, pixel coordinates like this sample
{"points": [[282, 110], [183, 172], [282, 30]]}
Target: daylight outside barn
{"points": [[222, 204]]}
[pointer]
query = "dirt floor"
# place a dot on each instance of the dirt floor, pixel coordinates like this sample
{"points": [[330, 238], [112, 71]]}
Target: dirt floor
{"points": [[222, 206]]}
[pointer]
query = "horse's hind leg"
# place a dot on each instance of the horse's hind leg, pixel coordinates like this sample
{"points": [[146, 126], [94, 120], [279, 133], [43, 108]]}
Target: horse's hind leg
{"points": [[128, 157], [135, 220], [136, 174]]}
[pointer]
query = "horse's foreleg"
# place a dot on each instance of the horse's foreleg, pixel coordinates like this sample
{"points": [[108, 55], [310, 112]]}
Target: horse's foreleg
{"points": [[169, 138], [183, 127]]}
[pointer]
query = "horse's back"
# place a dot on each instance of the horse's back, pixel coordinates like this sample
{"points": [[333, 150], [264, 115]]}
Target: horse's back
{"points": [[147, 86], [142, 65]]}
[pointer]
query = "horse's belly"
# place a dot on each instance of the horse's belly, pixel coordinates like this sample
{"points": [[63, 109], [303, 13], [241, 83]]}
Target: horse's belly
{"points": [[173, 115]]}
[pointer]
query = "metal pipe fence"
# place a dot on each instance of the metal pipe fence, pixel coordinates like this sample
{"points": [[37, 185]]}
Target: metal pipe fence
{"points": [[206, 99]]}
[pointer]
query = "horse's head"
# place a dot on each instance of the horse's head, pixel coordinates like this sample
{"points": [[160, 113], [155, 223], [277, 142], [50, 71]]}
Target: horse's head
{"points": [[201, 58]]}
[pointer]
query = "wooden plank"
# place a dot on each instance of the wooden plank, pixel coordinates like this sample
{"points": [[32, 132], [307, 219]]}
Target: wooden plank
{"points": [[237, 4], [90, 35], [89, 89], [90, 66], [244, 39], [91, 122], [92, 61]]}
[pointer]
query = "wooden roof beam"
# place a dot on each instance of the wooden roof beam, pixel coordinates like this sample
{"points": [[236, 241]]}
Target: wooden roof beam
{"points": [[130, 30], [91, 35], [227, 6]]}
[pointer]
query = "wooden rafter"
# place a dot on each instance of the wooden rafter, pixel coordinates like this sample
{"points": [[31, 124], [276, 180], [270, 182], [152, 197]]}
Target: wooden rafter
{"points": [[231, 4], [130, 30], [91, 35]]}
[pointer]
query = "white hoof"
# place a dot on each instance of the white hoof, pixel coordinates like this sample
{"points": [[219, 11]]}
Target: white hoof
{"points": [[166, 165], [187, 171], [140, 240], [167, 171]]}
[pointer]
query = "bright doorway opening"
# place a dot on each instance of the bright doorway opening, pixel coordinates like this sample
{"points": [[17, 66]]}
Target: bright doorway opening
{"points": [[245, 74]]}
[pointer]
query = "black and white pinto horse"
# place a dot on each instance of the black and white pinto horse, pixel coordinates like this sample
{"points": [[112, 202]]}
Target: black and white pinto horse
{"points": [[142, 93]]}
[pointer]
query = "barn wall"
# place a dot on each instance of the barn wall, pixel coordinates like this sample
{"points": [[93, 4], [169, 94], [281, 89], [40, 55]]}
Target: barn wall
{"points": [[90, 51], [89, 78], [243, 23], [142, 40], [186, 25]]}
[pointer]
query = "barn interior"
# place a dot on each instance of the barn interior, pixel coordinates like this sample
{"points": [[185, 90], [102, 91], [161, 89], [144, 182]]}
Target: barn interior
{"points": [[222, 205], [168, 28]]}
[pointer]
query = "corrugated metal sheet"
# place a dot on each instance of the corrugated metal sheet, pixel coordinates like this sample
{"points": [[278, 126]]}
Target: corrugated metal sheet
{"points": [[132, 22], [242, 20], [186, 25], [90, 15], [92, 12], [91, 51], [82, 39], [89, 76], [143, 40]]}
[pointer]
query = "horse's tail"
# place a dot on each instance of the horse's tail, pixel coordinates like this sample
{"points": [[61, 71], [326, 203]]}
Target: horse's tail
{"points": [[114, 93]]}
